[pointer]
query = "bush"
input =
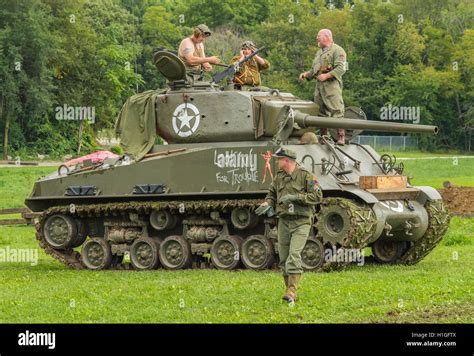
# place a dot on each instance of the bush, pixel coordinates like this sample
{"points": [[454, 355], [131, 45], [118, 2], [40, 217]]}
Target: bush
{"points": [[117, 150]]}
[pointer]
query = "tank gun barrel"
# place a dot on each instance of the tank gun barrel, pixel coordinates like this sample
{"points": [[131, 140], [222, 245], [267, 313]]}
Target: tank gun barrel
{"points": [[306, 121]]}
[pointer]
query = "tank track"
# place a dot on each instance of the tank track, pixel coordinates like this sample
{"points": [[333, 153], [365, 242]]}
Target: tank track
{"points": [[364, 224], [72, 258], [362, 218], [68, 257], [438, 224]]}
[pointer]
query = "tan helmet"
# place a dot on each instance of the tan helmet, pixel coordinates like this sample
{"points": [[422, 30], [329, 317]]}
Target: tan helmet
{"points": [[309, 138], [202, 28], [249, 45]]}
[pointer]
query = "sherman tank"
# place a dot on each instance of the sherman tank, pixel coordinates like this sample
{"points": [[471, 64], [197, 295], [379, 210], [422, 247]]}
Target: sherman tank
{"points": [[190, 201]]}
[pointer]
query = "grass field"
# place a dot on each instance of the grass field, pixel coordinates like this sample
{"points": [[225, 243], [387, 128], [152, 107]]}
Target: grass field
{"points": [[459, 170], [439, 289], [417, 154], [16, 184]]}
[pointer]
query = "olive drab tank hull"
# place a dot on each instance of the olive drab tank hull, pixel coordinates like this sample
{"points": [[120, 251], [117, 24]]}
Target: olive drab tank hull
{"points": [[191, 203]]}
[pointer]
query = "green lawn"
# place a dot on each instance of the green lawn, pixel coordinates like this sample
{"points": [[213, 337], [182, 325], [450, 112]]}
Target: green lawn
{"points": [[439, 289], [415, 154], [435, 168], [16, 184], [434, 172]]}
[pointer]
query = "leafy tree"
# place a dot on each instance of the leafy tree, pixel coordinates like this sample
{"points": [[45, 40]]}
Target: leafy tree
{"points": [[25, 74], [158, 30], [463, 62], [240, 14], [96, 53]]}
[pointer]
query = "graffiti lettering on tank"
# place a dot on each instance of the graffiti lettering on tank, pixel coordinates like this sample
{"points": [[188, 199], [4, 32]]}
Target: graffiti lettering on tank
{"points": [[236, 167], [396, 206]]}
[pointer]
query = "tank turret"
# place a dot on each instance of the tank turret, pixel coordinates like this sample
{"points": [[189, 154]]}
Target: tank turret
{"points": [[200, 111]]}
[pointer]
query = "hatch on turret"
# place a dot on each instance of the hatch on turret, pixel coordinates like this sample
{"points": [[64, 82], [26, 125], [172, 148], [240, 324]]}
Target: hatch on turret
{"points": [[170, 65]]}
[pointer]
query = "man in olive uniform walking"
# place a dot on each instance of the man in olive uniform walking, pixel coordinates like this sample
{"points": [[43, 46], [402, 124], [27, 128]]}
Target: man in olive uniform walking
{"points": [[293, 195], [328, 67]]}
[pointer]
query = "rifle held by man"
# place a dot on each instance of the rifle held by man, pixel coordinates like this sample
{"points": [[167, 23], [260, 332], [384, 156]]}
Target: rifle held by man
{"points": [[216, 78]]}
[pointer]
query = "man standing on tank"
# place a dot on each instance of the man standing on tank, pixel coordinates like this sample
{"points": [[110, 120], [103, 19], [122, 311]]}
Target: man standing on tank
{"points": [[328, 67], [191, 51], [293, 194]]}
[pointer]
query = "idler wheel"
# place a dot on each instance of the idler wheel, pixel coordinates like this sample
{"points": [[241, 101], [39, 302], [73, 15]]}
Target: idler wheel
{"points": [[62, 232]]}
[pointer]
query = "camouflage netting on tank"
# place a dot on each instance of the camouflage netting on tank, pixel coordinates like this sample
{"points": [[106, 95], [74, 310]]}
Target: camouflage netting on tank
{"points": [[362, 226], [145, 207], [438, 225], [136, 124]]}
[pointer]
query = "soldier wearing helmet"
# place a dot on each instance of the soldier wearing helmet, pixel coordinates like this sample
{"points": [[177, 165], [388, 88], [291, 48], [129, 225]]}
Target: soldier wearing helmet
{"points": [[249, 73], [293, 196]]}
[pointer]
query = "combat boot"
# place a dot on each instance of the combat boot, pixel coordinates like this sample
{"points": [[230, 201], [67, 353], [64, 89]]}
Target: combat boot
{"points": [[293, 280], [341, 137], [285, 279]]}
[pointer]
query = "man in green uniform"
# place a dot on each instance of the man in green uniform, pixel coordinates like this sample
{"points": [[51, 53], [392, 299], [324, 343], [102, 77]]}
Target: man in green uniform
{"points": [[249, 73], [328, 67], [293, 195]]}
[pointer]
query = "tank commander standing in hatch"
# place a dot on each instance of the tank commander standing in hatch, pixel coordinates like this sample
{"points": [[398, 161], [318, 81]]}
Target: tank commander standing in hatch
{"points": [[328, 67], [249, 73], [293, 195], [191, 52]]}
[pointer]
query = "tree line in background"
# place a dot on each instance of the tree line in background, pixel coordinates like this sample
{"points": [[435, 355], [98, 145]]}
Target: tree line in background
{"points": [[57, 54]]}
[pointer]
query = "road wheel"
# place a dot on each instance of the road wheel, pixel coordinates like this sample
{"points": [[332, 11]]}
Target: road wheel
{"points": [[144, 253], [225, 252], [257, 252], [312, 256], [175, 253], [96, 254]]}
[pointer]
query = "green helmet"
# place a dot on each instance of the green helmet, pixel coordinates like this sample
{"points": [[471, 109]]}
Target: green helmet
{"points": [[285, 153]]}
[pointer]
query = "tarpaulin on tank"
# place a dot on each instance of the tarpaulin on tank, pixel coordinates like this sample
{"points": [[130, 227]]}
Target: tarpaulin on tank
{"points": [[136, 124]]}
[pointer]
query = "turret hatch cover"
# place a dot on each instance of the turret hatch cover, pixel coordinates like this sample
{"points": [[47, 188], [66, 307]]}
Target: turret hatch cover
{"points": [[170, 65]]}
